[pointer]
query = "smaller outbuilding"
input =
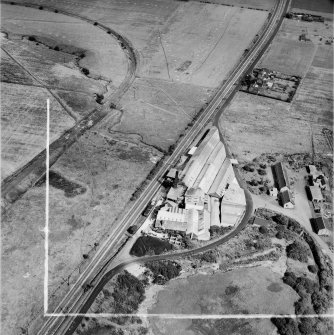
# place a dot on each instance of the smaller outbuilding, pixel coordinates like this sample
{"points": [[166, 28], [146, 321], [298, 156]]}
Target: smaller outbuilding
{"points": [[319, 226], [315, 193], [286, 199]]}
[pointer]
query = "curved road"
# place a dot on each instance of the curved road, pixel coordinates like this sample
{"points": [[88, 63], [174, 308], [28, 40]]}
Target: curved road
{"points": [[77, 300]]}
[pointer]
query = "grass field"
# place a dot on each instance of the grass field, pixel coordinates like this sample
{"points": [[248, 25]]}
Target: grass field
{"points": [[104, 57], [214, 30], [158, 110], [255, 4], [289, 57], [23, 125], [317, 6], [317, 32], [205, 295]]}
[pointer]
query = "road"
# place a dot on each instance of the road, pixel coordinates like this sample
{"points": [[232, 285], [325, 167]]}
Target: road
{"points": [[76, 299]]}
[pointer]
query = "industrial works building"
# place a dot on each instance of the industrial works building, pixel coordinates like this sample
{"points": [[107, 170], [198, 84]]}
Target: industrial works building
{"points": [[213, 196], [208, 168]]}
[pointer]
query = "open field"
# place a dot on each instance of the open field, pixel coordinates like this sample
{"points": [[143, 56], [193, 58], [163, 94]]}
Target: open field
{"points": [[23, 125], [256, 4], [30, 64], [214, 31], [104, 57], [288, 56], [255, 290], [317, 6], [158, 110], [317, 32]]}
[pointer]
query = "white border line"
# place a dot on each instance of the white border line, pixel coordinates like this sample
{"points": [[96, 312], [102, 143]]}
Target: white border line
{"points": [[194, 316], [46, 228]]}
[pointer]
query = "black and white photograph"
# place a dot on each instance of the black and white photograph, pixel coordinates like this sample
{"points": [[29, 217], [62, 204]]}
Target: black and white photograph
{"points": [[166, 167]]}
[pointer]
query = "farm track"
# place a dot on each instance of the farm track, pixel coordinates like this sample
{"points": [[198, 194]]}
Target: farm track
{"points": [[65, 318], [15, 185]]}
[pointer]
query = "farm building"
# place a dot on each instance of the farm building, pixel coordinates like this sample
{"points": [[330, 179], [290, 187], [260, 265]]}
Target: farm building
{"points": [[315, 193], [280, 176], [319, 226], [286, 199], [195, 198], [273, 192]]}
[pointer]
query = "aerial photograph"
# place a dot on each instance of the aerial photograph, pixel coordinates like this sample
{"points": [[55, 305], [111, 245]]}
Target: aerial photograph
{"points": [[166, 167]]}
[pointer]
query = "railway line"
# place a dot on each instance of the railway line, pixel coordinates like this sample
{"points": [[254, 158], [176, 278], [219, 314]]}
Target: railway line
{"points": [[64, 318]]}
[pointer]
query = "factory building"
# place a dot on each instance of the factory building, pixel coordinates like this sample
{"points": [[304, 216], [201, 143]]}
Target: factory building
{"points": [[223, 178], [233, 205], [196, 163]]}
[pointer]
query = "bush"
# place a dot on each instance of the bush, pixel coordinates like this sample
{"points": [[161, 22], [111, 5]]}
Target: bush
{"points": [[303, 306], [263, 166], [56, 10], [253, 182], [286, 326], [321, 302], [262, 172], [56, 48], [248, 168], [149, 244], [281, 219], [163, 271], [298, 251], [312, 268], [263, 230], [279, 235], [209, 256], [306, 326], [32, 38], [95, 23], [128, 293], [40, 7], [85, 71], [132, 229]]}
